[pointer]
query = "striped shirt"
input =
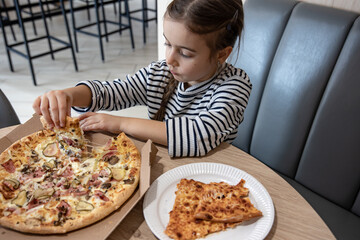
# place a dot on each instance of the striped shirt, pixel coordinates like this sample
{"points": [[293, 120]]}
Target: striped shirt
{"points": [[197, 118]]}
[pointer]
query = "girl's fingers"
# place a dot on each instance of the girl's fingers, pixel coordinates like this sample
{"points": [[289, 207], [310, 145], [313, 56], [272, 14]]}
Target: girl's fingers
{"points": [[63, 109], [54, 109], [36, 105], [44, 109], [85, 115]]}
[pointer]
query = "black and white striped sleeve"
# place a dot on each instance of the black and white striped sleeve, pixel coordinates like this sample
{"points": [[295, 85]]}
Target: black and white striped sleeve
{"points": [[197, 136], [117, 94]]}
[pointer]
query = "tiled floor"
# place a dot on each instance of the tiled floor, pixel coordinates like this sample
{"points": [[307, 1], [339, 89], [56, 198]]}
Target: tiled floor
{"points": [[120, 60]]}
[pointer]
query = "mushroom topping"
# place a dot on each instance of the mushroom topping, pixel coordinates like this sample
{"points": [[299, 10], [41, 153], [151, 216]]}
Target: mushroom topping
{"points": [[113, 160], [34, 155], [49, 165], [106, 185], [84, 206], [129, 180]]}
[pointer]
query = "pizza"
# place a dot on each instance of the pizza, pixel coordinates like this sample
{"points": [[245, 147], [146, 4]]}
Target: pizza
{"points": [[201, 209], [54, 181]]}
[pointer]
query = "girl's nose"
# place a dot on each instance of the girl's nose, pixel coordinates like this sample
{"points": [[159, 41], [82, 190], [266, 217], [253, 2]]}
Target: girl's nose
{"points": [[170, 57]]}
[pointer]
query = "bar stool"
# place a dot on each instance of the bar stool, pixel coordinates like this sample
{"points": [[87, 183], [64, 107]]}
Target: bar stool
{"points": [[145, 16], [99, 4], [5, 18], [88, 8], [26, 42]]}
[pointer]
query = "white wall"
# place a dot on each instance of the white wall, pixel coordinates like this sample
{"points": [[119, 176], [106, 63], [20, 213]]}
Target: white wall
{"points": [[161, 7]]}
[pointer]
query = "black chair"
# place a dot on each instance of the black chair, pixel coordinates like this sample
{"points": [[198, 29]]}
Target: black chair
{"points": [[31, 12], [21, 20], [88, 7], [5, 18], [100, 5], [144, 17], [8, 116]]}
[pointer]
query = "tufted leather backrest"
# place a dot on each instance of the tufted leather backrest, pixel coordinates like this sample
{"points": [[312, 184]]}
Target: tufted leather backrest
{"points": [[303, 117]]}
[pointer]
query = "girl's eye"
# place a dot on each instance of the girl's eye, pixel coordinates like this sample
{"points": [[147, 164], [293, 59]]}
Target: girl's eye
{"points": [[184, 54], [167, 44]]}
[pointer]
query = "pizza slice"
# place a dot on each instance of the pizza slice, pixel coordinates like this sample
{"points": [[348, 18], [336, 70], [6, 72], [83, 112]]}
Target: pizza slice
{"points": [[221, 202], [70, 138], [201, 209], [182, 223]]}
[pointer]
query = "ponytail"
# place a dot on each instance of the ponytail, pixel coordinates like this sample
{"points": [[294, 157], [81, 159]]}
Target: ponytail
{"points": [[168, 91]]}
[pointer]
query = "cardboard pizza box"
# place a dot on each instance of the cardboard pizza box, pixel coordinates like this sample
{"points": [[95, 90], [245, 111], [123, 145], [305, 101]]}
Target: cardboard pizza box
{"points": [[103, 228]]}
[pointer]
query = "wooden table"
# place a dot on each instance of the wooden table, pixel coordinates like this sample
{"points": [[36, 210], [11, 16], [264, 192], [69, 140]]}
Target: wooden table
{"points": [[294, 217]]}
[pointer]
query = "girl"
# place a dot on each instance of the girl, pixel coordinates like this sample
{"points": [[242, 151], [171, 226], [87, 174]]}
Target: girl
{"points": [[195, 99]]}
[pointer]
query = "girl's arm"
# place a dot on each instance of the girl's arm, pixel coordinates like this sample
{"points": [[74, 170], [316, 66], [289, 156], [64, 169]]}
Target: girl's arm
{"points": [[145, 129], [137, 127]]}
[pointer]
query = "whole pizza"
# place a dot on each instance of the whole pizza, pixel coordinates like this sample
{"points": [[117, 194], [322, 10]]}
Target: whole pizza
{"points": [[55, 181]]}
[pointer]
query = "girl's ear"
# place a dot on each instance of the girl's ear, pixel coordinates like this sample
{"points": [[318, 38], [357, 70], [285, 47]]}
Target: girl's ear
{"points": [[224, 53]]}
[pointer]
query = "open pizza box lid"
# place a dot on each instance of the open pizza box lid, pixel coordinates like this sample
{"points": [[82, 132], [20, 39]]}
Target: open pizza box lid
{"points": [[103, 228]]}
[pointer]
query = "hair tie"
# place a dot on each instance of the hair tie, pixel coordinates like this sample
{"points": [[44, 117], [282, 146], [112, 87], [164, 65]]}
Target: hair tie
{"points": [[233, 19]]}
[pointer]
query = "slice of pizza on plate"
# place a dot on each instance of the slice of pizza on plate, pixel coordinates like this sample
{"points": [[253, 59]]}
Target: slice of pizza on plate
{"points": [[201, 209]]}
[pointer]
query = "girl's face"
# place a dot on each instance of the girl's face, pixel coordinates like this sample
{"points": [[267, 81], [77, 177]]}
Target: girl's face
{"points": [[187, 54]]}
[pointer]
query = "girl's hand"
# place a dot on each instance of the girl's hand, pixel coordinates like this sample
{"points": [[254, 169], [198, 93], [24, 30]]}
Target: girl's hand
{"points": [[54, 106], [100, 122]]}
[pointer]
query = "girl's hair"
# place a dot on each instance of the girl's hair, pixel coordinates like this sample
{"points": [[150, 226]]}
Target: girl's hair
{"points": [[220, 21]]}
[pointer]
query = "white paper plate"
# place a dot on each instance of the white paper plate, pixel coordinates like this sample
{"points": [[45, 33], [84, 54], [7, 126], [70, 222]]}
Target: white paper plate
{"points": [[160, 198]]}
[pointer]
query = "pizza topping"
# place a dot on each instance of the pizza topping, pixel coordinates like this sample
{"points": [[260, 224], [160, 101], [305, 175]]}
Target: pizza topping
{"points": [[129, 180], [20, 199], [75, 183], [112, 160], [49, 165], [34, 156], [101, 195], [43, 193], [118, 173], [106, 185], [25, 169], [34, 203], [64, 208], [106, 172], [11, 184], [9, 166], [51, 150], [84, 206], [39, 172]]}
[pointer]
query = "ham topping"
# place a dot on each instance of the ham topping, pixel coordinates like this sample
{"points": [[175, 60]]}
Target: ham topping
{"points": [[64, 208], [34, 203], [101, 195], [9, 166]]}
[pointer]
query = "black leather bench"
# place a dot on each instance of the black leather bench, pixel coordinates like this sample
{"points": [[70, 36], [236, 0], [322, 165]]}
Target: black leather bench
{"points": [[303, 117]]}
